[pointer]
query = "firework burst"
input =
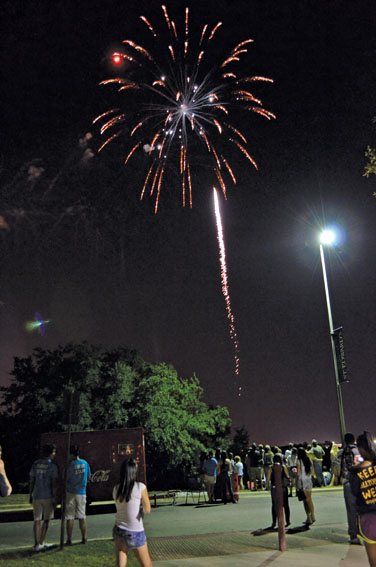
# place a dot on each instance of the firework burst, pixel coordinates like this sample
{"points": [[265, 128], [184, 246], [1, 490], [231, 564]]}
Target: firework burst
{"points": [[185, 102]]}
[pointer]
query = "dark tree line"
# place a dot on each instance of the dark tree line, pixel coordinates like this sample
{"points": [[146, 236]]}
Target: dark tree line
{"points": [[117, 389]]}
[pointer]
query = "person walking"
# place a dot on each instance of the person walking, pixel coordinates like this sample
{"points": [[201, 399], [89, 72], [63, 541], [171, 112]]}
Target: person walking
{"points": [[78, 474], [304, 483], [362, 480], [349, 456], [42, 487], [132, 502]]}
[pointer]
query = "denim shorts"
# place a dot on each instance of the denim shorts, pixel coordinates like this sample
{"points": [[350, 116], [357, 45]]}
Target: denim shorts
{"points": [[132, 539]]}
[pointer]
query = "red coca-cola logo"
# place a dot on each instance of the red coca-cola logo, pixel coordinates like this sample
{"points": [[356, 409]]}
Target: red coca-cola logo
{"points": [[100, 476]]}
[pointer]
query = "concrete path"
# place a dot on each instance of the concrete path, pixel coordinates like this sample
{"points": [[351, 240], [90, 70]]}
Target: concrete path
{"points": [[233, 535]]}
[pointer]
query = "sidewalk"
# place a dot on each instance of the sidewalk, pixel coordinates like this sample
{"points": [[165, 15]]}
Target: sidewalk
{"points": [[330, 555], [227, 536]]}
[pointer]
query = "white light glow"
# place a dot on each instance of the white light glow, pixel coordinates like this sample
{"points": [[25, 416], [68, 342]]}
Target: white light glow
{"points": [[327, 237]]}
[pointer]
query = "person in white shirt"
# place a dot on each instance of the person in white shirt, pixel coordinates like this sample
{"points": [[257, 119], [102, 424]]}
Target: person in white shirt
{"points": [[132, 502]]}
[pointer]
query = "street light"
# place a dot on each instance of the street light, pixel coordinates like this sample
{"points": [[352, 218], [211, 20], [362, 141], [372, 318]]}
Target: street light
{"points": [[328, 237]]}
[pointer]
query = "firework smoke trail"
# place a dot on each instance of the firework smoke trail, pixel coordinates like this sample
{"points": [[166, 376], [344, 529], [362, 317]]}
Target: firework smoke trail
{"points": [[225, 288], [184, 91]]}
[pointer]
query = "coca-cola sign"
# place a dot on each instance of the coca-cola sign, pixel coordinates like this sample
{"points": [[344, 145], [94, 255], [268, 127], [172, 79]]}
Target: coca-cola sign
{"points": [[100, 476]]}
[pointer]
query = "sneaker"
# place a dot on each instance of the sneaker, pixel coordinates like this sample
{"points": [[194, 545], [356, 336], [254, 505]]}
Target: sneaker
{"points": [[38, 547], [84, 540], [68, 542], [47, 545], [355, 541]]}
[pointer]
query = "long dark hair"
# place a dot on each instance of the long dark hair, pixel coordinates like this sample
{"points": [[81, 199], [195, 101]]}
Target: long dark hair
{"points": [[128, 473], [367, 442], [302, 456]]}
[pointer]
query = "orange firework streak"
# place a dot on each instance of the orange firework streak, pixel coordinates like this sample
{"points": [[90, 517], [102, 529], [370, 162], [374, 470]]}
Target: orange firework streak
{"points": [[225, 287]]}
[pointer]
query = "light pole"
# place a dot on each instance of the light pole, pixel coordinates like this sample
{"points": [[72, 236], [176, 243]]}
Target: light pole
{"points": [[327, 237]]}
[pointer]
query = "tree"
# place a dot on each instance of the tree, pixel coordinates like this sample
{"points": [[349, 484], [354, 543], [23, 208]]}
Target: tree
{"points": [[241, 442], [117, 389]]}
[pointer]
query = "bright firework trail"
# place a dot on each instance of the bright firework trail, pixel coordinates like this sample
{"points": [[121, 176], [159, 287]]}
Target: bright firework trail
{"points": [[183, 92], [225, 288]]}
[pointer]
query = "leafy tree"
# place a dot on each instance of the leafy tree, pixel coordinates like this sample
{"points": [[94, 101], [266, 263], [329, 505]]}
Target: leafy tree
{"points": [[117, 389], [241, 442]]}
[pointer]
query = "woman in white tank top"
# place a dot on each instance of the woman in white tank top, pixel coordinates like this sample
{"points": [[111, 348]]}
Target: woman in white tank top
{"points": [[132, 501], [304, 482]]}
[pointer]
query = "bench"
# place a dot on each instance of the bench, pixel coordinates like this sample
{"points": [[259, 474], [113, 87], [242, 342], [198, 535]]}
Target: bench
{"points": [[170, 494]]}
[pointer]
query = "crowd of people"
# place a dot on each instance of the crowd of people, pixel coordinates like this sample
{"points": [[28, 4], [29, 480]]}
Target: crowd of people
{"points": [[264, 468], [353, 465]]}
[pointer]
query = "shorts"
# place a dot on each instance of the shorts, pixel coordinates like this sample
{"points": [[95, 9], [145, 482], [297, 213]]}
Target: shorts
{"points": [[131, 539], [43, 509], [209, 479], [367, 527], [75, 506]]}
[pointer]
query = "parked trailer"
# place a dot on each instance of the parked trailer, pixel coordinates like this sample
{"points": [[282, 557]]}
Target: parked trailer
{"points": [[104, 450]]}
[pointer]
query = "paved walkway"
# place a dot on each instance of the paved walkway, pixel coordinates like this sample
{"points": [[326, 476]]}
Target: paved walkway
{"points": [[224, 536]]}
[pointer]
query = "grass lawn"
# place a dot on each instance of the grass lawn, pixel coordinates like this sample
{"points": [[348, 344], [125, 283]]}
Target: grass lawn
{"points": [[94, 554], [15, 502]]}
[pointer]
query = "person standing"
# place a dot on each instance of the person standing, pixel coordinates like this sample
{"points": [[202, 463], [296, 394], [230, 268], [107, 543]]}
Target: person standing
{"points": [[349, 456], [271, 482], [239, 468], [335, 464], [225, 479], [317, 454], [132, 502], [268, 460], [43, 476], [292, 467], [78, 474], [304, 482], [362, 480], [5, 485], [288, 452], [254, 467], [210, 475]]}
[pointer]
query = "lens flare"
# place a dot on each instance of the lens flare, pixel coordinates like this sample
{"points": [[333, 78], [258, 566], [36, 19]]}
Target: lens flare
{"points": [[38, 324]]}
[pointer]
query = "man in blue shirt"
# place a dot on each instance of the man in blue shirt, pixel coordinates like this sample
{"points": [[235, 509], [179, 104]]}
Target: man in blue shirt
{"points": [[78, 475], [210, 471], [43, 477]]}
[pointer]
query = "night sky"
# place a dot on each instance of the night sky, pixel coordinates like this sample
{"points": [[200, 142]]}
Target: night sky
{"points": [[115, 273]]}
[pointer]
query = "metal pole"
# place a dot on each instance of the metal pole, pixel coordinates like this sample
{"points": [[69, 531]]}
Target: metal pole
{"points": [[64, 495], [338, 385], [279, 505]]}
